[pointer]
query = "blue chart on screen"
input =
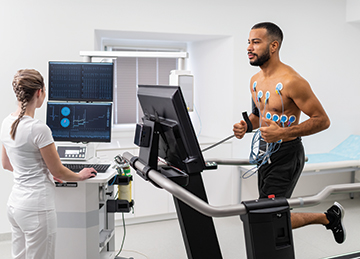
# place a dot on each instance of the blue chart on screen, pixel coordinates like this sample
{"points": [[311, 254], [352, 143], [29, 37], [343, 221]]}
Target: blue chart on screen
{"points": [[79, 122], [65, 122], [65, 111]]}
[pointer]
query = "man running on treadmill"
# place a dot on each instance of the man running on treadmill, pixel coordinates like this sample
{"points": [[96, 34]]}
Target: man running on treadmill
{"points": [[279, 95]]}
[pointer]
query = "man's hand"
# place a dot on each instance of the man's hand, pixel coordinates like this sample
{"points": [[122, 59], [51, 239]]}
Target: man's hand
{"points": [[240, 129], [272, 132]]}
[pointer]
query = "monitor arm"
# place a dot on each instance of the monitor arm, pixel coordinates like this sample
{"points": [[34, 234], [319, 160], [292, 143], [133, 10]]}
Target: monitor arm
{"points": [[147, 138]]}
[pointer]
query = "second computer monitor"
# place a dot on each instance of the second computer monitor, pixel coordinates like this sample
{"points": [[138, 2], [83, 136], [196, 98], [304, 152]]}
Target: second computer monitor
{"points": [[79, 122]]}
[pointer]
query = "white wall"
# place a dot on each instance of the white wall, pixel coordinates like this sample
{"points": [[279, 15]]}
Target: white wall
{"points": [[352, 11], [318, 43]]}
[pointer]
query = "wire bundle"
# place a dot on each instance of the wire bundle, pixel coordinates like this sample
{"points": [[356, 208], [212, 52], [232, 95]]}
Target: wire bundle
{"points": [[260, 154]]}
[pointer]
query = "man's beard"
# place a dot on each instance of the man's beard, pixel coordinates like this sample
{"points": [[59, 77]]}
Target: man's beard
{"points": [[261, 59]]}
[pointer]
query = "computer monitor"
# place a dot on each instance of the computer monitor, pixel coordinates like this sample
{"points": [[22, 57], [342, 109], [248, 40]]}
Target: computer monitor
{"points": [[79, 122], [80, 81], [168, 123]]}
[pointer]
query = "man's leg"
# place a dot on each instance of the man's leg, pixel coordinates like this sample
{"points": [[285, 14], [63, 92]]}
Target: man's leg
{"points": [[302, 219], [331, 219]]}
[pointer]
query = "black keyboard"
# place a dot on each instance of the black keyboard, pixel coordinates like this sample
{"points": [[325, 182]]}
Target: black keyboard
{"points": [[100, 168]]}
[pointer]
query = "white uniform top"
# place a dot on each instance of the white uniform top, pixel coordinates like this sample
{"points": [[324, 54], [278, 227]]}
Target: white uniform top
{"points": [[33, 188]]}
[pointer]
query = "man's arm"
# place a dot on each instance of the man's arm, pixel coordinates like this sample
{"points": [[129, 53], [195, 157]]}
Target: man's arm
{"points": [[305, 99]]}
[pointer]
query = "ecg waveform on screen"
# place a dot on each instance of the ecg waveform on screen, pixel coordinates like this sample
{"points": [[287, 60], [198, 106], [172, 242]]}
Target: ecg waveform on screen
{"points": [[79, 121], [80, 81], [52, 114], [84, 122]]}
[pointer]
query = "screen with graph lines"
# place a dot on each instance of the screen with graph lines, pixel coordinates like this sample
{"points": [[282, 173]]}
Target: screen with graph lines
{"points": [[79, 122], [81, 81]]}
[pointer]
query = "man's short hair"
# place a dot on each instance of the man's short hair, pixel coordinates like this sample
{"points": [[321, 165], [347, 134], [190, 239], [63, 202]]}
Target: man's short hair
{"points": [[273, 31]]}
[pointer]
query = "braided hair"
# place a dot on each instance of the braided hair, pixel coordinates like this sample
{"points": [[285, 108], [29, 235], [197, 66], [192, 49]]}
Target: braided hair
{"points": [[25, 84]]}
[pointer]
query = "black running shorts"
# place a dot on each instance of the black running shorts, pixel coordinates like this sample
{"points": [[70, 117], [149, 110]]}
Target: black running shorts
{"points": [[280, 176]]}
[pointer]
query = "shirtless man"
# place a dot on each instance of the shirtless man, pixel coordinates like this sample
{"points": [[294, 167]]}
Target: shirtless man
{"points": [[284, 92]]}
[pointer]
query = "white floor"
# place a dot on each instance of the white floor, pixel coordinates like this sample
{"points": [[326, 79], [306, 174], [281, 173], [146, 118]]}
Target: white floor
{"points": [[162, 240]]}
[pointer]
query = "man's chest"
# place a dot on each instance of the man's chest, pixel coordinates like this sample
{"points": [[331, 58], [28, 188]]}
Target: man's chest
{"points": [[270, 96]]}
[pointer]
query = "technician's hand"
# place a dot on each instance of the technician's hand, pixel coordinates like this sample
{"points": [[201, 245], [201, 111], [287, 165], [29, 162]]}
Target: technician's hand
{"points": [[57, 179], [87, 173], [271, 132], [240, 129]]}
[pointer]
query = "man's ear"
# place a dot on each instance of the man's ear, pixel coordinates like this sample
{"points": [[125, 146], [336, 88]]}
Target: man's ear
{"points": [[274, 46]]}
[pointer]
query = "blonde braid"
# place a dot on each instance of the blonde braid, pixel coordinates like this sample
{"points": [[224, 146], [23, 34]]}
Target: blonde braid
{"points": [[25, 84]]}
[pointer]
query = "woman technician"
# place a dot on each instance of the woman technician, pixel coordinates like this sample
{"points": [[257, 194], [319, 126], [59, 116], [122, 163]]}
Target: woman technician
{"points": [[29, 152]]}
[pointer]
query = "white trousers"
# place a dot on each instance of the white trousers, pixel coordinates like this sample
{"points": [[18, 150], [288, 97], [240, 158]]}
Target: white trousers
{"points": [[33, 233]]}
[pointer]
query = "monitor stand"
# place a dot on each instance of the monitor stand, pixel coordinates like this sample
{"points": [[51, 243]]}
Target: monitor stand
{"points": [[198, 230]]}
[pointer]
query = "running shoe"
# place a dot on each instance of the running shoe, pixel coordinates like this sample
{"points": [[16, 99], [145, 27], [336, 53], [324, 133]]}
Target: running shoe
{"points": [[335, 214]]}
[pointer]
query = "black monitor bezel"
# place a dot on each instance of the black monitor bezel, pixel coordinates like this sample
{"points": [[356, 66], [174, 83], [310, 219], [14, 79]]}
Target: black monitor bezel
{"points": [[80, 99], [166, 106]]}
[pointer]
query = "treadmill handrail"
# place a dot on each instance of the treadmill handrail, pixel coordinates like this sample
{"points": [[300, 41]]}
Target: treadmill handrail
{"points": [[323, 194], [235, 161], [186, 196], [237, 209]]}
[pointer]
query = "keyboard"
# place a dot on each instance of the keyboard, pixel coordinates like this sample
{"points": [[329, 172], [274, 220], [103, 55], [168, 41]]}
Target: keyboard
{"points": [[100, 168]]}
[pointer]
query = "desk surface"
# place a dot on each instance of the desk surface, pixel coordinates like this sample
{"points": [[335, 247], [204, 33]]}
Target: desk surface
{"points": [[100, 177], [103, 177]]}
